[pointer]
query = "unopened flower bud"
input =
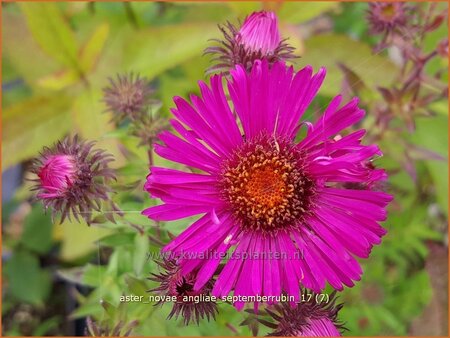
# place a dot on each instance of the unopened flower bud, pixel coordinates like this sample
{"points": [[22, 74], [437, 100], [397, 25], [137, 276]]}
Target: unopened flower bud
{"points": [[385, 17], [72, 178], [257, 39], [174, 284], [128, 96], [309, 318], [260, 33]]}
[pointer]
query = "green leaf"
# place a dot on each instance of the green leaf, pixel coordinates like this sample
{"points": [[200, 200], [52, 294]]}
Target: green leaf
{"points": [[302, 11], [59, 80], [117, 239], [73, 275], [412, 306], [388, 318], [217, 12], [244, 8], [412, 227], [356, 84], [93, 275], [37, 234], [26, 281], [330, 49], [89, 56], [141, 246], [19, 45], [52, 32], [136, 286], [32, 124], [154, 50], [109, 308], [440, 107], [156, 323], [91, 51], [87, 309], [46, 326], [78, 239], [92, 122], [89, 115], [432, 134]]}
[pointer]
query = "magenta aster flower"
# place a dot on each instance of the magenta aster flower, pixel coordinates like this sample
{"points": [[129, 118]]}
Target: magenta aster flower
{"points": [[73, 179], [306, 319], [257, 39], [275, 200]]}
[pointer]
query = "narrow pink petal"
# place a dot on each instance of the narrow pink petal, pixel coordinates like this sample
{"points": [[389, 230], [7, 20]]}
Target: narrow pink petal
{"points": [[267, 270], [377, 197], [290, 281], [188, 158], [307, 95], [230, 273], [258, 265], [189, 116], [195, 229], [210, 266], [333, 122], [313, 265], [169, 212], [177, 177]]}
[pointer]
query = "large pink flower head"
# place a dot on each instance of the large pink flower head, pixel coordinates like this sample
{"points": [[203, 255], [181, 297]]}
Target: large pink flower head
{"points": [[257, 39], [278, 205]]}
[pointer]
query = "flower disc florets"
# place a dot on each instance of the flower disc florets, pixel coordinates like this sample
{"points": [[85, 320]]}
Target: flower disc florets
{"points": [[267, 184]]}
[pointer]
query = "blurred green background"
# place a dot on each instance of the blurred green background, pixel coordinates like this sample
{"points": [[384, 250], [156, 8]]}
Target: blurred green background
{"points": [[57, 57]]}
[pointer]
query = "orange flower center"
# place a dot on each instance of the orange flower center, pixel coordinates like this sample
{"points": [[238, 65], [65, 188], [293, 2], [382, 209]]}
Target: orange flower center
{"points": [[266, 185]]}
